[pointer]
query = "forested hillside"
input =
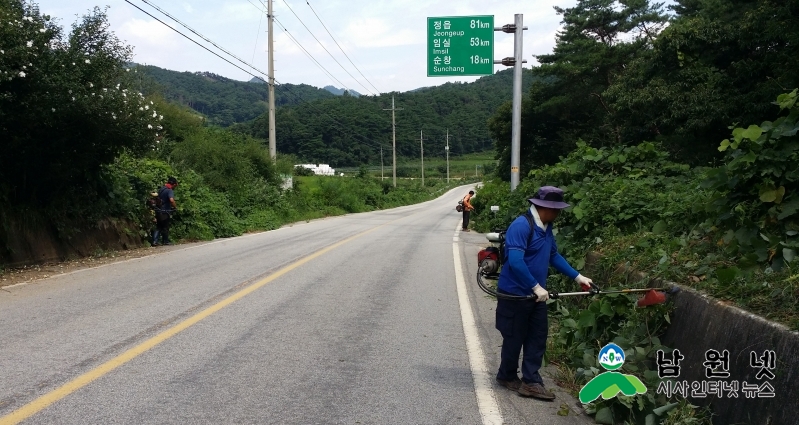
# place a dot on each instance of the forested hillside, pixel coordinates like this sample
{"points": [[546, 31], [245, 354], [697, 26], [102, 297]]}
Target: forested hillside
{"points": [[348, 131], [345, 130], [221, 100], [623, 73]]}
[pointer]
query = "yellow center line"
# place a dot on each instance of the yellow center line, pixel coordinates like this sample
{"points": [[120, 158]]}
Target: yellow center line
{"points": [[81, 381]]}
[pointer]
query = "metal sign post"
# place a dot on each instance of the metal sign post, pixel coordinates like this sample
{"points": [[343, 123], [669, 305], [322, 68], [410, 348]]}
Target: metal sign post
{"points": [[516, 61], [464, 45]]}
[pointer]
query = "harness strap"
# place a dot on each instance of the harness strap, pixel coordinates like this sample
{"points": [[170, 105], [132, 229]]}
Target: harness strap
{"points": [[529, 218]]}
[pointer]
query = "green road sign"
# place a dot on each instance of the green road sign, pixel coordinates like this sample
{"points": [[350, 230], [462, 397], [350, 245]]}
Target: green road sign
{"points": [[460, 45]]}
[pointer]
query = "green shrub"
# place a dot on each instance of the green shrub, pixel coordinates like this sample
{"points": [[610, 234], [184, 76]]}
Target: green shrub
{"points": [[612, 191], [756, 198]]}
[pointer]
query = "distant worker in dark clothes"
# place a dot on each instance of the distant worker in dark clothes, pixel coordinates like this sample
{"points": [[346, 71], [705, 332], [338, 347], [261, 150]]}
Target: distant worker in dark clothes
{"points": [[467, 209], [163, 215], [523, 324]]}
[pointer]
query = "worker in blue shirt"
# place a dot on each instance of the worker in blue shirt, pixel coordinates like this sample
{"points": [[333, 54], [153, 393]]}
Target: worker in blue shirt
{"points": [[523, 324]]}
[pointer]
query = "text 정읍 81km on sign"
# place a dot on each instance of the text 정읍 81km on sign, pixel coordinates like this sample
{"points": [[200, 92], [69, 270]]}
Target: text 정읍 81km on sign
{"points": [[460, 45]]}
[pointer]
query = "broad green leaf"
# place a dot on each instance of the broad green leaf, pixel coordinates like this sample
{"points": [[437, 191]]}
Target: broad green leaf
{"points": [[724, 145], [753, 132], [789, 208], [659, 227], [737, 134], [578, 212], [788, 254], [621, 341], [604, 416], [787, 100], [749, 157], [663, 409], [768, 193], [651, 419], [613, 159], [607, 309], [587, 319]]}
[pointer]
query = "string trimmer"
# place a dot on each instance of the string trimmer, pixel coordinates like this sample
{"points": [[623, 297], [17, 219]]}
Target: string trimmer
{"points": [[653, 295]]}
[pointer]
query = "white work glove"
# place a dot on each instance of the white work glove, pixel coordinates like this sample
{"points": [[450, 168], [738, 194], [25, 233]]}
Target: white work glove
{"points": [[586, 284], [541, 293]]}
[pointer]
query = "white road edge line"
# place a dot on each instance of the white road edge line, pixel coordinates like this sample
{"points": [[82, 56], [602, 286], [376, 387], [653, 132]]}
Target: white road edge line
{"points": [[486, 402]]}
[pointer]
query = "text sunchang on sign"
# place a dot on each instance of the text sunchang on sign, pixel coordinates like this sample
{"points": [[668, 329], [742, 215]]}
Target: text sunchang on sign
{"points": [[460, 46]]}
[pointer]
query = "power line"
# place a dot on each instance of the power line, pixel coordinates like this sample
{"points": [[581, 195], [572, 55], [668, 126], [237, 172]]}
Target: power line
{"points": [[282, 86], [255, 47], [339, 46], [198, 34], [325, 48], [193, 41], [309, 54], [295, 41]]}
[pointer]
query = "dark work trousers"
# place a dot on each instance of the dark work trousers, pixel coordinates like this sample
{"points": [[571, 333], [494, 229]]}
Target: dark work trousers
{"points": [[162, 221], [523, 325], [466, 219]]}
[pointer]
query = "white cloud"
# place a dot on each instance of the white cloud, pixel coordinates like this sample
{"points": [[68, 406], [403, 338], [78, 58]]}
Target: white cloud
{"points": [[376, 32], [385, 38], [150, 32]]}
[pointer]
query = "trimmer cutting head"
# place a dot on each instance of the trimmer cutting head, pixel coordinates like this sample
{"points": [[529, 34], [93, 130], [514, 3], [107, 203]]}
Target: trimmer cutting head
{"points": [[657, 296], [651, 298]]}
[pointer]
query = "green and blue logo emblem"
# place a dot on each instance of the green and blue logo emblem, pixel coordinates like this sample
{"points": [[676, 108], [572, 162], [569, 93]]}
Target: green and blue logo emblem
{"points": [[610, 384]]}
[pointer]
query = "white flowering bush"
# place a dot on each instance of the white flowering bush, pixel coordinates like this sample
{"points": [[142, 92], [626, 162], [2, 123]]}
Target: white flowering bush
{"points": [[67, 106]]}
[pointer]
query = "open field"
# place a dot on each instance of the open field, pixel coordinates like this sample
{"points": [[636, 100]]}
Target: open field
{"points": [[463, 166]]}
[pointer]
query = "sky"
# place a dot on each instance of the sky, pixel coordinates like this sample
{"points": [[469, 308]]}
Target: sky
{"points": [[385, 40]]}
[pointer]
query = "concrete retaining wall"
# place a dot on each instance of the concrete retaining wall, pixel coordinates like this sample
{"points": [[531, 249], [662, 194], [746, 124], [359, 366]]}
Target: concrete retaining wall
{"points": [[700, 323]]}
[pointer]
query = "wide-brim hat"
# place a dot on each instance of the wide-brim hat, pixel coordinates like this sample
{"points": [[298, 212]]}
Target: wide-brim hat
{"points": [[549, 197]]}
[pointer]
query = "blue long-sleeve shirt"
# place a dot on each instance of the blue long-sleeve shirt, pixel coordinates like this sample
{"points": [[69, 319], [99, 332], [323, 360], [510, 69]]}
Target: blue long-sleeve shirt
{"points": [[527, 265]]}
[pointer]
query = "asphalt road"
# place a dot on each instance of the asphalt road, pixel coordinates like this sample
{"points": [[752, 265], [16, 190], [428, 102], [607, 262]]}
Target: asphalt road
{"points": [[368, 318]]}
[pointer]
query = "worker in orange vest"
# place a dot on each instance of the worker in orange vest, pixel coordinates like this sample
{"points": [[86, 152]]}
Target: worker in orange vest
{"points": [[467, 209]]}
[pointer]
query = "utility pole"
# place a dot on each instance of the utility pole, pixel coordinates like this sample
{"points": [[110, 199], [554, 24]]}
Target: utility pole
{"points": [[271, 47], [447, 149], [421, 142], [394, 138], [381, 164]]}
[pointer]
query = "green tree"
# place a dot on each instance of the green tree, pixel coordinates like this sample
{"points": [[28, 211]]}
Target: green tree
{"points": [[65, 104], [718, 62], [567, 101]]}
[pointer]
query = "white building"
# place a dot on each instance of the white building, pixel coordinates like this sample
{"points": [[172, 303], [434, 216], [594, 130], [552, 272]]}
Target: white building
{"points": [[319, 170]]}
